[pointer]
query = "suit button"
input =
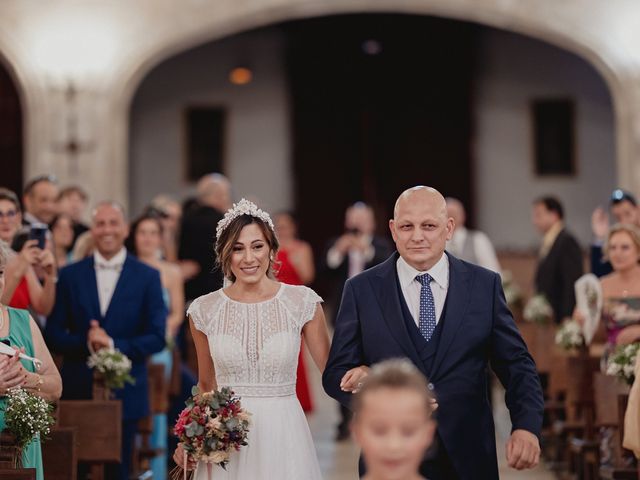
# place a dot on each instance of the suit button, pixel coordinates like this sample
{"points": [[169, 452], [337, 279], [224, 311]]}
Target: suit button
{"points": [[430, 386]]}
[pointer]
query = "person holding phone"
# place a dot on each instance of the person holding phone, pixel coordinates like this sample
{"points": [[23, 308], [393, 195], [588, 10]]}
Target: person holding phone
{"points": [[33, 259]]}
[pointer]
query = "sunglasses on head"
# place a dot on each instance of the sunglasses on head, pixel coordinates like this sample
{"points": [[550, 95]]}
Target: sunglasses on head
{"points": [[620, 195]]}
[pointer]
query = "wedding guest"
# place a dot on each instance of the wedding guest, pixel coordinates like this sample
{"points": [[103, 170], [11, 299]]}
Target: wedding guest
{"points": [[392, 421], [22, 287], [196, 234], [145, 242], [40, 195], [624, 209], [470, 245], [356, 250], [73, 201], [621, 288], [560, 257], [170, 213], [62, 235], [294, 265], [20, 331], [109, 300]]}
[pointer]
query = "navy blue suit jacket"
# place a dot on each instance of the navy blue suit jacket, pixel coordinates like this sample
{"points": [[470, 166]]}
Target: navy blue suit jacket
{"points": [[135, 320], [478, 329]]}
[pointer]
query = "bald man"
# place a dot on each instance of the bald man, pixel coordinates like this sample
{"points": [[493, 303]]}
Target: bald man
{"points": [[450, 318], [198, 233]]}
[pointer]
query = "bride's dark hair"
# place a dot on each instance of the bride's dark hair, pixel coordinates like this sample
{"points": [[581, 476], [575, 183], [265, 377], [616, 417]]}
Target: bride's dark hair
{"points": [[229, 236]]}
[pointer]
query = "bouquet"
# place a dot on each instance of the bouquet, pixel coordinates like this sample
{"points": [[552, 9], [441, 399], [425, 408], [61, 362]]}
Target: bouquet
{"points": [[26, 417], [211, 427], [569, 335], [538, 310], [512, 292], [622, 362], [113, 365]]}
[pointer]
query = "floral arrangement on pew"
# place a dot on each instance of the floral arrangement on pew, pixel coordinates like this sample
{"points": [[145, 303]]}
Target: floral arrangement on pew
{"points": [[211, 427], [27, 416], [538, 310], [512, 293], [113, 366], [569, 335], [622, 362]]}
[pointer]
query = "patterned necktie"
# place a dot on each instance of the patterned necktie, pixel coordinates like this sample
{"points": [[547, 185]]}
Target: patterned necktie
{"points": [[427, 320]]}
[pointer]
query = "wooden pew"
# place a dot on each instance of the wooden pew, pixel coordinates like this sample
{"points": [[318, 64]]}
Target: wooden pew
{"points": [[622, 464], [158, 404], [60, 454], [7, 456], [99, 431]]}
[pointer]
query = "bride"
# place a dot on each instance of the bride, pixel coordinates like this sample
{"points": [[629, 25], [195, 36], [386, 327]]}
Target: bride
{"points": [[247, 337]]}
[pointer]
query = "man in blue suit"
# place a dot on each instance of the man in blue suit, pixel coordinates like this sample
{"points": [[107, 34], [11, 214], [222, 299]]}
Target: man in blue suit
{"points": [[109, 300], [450, 318]]}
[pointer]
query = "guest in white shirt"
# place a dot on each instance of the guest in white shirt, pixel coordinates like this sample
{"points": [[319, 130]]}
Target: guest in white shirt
{"points": [[472, 246]]}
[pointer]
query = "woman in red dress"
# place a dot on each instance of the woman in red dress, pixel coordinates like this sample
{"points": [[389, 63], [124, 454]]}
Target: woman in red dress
{"points": [[294, 265]]}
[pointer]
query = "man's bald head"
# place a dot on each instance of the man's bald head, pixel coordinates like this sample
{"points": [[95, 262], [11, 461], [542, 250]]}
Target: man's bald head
{"points": [[214, 190], [421, 193], [421, 227]]}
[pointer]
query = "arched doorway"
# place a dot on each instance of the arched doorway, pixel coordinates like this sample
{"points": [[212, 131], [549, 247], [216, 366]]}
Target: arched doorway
{"points": [[11, 149], [340, 111]]}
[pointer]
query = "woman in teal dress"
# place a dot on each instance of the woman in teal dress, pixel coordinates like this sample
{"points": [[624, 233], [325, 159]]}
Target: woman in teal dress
{"points": [[145, 242], [20, 331]]}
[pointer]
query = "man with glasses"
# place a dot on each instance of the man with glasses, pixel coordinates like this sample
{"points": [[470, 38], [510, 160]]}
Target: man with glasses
{"points": [[624, 208]]}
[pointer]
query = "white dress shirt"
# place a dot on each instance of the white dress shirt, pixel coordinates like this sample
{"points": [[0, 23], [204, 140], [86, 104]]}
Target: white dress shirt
{"points": [[411, 287], [485, 253], [107, 275]]}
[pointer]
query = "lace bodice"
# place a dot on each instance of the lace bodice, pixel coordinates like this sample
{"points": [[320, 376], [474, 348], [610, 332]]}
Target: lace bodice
{"points": [[255, 346]]}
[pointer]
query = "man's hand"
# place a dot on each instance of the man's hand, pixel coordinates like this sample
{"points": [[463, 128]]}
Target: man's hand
{"points": [[97, 337], [523, 450], [352, 380]]}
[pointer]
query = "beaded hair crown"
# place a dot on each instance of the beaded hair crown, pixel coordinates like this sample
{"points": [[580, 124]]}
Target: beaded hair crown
{"points": [[243, 207]]}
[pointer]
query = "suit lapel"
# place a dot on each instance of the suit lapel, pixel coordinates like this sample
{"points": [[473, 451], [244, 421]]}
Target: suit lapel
{"points": [[456, 306], [388, 297], [92, 285], [121, 286]]}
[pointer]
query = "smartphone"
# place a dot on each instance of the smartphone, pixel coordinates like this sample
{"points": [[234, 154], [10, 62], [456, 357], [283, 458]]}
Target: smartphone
{"points": [[38, 232]]}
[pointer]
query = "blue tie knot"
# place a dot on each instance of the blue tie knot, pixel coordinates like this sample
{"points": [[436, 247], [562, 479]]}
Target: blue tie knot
{"points": [[425, 279]]}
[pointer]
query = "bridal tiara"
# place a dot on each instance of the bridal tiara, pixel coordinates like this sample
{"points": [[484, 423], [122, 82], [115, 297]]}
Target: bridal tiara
{"points": [[243, 207]]}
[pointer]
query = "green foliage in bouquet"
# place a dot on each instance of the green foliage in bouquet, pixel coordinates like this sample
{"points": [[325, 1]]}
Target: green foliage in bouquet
{"points": [[114, 366]]}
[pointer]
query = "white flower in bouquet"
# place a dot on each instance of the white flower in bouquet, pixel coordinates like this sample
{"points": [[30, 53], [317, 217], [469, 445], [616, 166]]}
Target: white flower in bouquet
{"points": [[114, 365], [512, 293], [538, 310], [622, 362], [569, 335]]}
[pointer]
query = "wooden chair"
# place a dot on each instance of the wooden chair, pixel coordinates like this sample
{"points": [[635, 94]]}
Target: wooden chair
{"points": [[99, 431], [60, 454]]}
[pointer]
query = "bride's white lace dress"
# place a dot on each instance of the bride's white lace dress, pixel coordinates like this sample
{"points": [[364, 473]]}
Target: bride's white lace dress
{"points": [[255, 352]]}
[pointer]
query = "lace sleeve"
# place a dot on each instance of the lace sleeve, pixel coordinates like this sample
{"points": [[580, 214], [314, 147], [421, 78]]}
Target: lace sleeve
{"points": [[312, 299], [195, 314]]}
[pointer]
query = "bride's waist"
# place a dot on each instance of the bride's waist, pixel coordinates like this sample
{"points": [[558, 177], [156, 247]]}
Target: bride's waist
{"points": [[261, 389]]}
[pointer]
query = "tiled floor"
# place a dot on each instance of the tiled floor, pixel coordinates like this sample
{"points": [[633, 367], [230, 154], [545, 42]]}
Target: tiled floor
{"points": [[338, 461]]}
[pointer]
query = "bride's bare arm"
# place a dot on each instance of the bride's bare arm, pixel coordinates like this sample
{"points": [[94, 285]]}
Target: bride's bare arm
{"points": [[206, 371], [316, 336]]}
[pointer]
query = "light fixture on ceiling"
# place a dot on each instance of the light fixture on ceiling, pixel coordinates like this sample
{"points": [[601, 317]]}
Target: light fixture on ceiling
{"points": [[240, 76]]}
